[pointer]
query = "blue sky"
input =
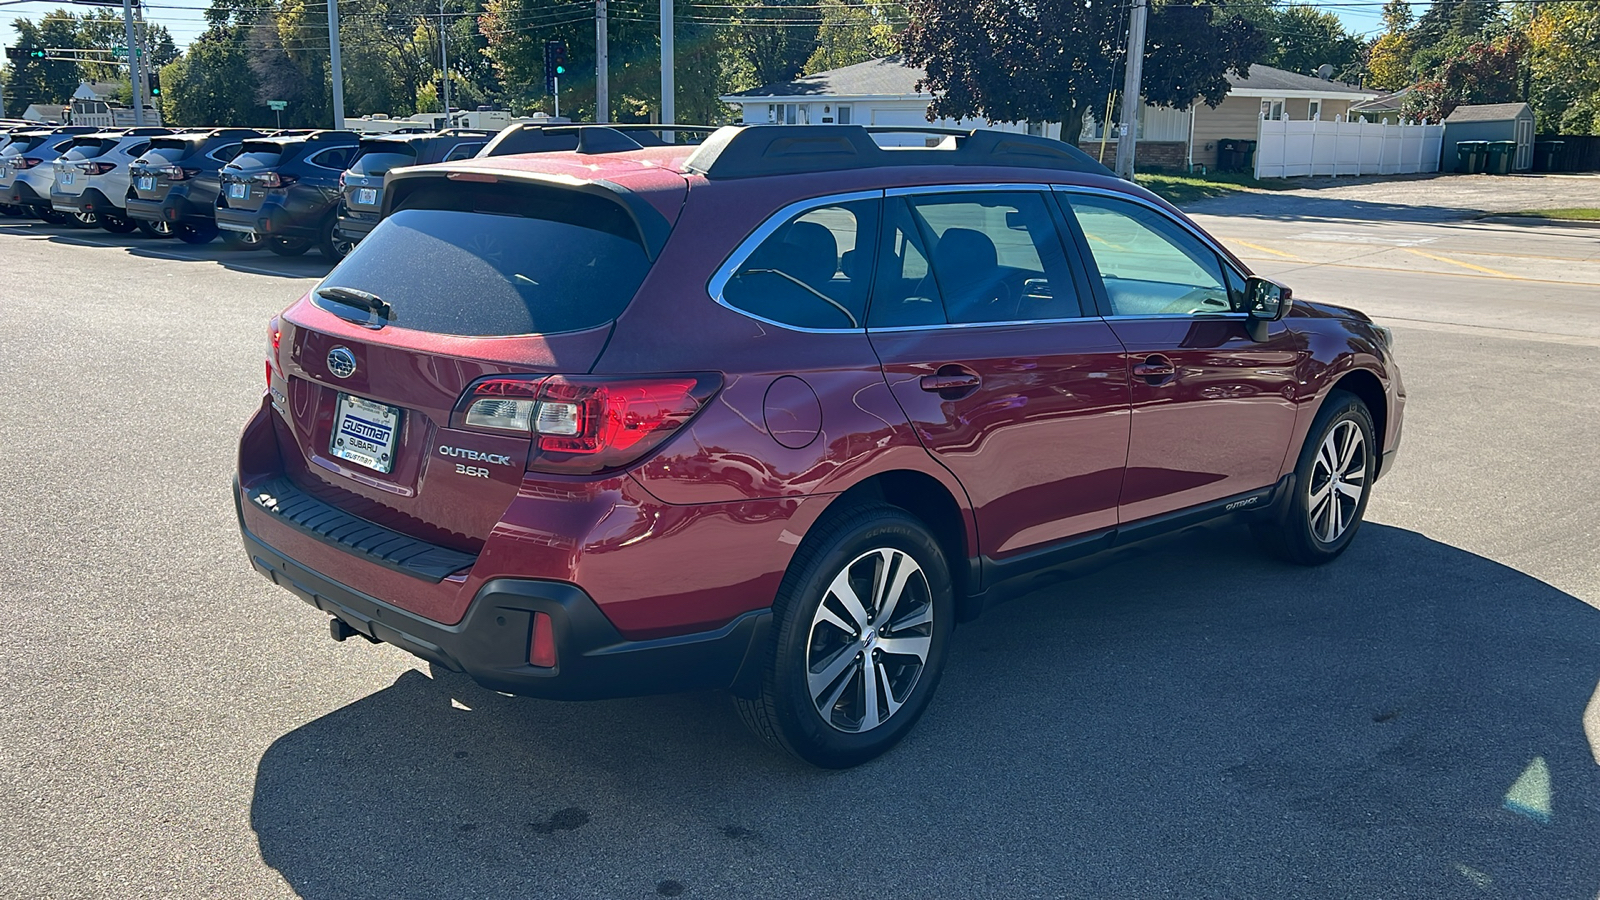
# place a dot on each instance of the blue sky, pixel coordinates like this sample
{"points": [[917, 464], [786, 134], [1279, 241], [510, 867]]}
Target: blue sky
{"points": [[183, 18]]}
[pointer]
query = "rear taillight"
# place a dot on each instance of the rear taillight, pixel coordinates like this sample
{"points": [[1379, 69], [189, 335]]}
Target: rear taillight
{"points": [[585, 424], [274, 336], [175, 173], [273, 179], [97, 168], [542, 649], [25, 162]]}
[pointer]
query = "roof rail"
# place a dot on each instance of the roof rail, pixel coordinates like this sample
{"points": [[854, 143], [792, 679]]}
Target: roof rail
{"points": [[748, 151], [526, 137]]}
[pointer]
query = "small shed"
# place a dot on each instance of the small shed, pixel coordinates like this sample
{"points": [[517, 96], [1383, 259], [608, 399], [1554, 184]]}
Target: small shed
{"points": [[1492, 122]]}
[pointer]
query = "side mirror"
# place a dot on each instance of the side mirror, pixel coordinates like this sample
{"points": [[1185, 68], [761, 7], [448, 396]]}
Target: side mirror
{"points": [[1267, 300]]}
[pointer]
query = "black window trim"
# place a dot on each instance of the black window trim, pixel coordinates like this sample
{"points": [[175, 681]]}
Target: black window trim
{"points": [[1224, 260]]}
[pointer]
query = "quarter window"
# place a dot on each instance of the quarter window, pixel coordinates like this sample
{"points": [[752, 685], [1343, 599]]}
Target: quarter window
{"points": [[812, 271], [1149, 265], [333, 158], [463, 151], [969, 258]]}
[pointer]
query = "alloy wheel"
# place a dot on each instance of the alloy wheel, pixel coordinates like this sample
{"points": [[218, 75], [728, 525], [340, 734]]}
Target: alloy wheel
{"points": [[1338, 479], [869, 640]]}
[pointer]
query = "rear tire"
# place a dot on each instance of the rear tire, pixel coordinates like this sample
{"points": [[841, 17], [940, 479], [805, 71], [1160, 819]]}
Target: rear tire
{"points": [[1332, 482], [85, 220], [854, 662], [288, 246], [197, 234], [14, 212], [158, 229], [240, 240], [333, 247], [117, 224]]}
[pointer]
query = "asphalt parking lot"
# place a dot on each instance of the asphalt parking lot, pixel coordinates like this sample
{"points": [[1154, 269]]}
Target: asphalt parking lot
{"points": [[1194, 721]]}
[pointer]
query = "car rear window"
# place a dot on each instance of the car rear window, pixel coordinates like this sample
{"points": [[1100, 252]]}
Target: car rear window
{"points": [[497, 260], [169, 151], [82, 149], [255, 158], [380, 157]]}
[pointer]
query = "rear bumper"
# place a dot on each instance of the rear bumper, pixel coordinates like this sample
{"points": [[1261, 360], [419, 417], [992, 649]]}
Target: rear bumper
{"points": [[22, 194], [175, 207], [353, 226], [90, 201], [491, 642], [272, 219]]}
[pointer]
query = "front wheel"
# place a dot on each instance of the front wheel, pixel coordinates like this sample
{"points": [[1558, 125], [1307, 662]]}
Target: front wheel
{"points": [[288, 246], [242, 240], [1332, 482], [157, 228], [862, 621], [117, 224], [197, 234]]}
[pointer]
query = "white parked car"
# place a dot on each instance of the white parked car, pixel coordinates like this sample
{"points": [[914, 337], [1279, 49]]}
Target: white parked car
{"points": [[92, 177]]}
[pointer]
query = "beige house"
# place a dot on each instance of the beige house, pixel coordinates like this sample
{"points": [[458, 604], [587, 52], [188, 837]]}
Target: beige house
{"points": [[883, 92]]}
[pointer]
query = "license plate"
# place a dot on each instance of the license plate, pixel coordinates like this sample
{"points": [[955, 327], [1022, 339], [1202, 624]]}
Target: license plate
{"points": [[365, 432], [147, 182], [66, 177], [368, 196], [238, 191]]}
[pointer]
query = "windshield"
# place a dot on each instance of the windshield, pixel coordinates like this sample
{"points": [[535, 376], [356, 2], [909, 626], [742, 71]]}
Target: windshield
{"points": [[257, 159], [168, 152], [485, 268], [88, 150]]}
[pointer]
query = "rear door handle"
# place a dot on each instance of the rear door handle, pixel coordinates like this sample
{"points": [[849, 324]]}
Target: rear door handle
{"points": [[1155, 366]]}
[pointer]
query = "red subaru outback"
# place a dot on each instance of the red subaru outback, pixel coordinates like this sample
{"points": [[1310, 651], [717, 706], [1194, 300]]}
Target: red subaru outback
{"points": [[773, 413]]}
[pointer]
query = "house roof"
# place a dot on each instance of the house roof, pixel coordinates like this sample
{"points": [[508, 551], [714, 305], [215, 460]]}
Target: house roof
{"points": [[39, 112], [886, 76], [1488, 112], [1267, 78], [890, 76], [99, 89], [1386, 103]]}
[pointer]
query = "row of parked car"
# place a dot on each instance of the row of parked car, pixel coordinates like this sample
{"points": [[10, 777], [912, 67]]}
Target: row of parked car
{"points": [[286, 191]]}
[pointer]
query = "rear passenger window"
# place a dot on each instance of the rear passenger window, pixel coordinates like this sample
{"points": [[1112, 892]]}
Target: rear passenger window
{"points": [[813, 271], [992, 257]]}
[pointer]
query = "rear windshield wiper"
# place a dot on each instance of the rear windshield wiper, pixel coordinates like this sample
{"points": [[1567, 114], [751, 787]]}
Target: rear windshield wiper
{"points": [[372, 303]]}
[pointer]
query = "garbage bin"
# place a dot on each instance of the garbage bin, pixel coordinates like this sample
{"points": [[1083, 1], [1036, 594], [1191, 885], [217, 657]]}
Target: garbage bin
{"points": [[1501, 153], [1248, 153], [1469, 156], [1230, 155], [1547, 156]]}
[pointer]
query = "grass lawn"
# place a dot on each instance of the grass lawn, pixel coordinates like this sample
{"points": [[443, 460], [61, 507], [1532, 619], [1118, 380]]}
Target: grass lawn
{"points": [[1582, 214], [1179, 189]]}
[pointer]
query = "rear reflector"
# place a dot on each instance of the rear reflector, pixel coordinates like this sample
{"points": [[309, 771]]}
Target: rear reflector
{"points": [[542, 650]]}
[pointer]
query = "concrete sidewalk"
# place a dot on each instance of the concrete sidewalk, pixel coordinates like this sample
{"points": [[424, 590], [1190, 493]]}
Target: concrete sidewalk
{"points": [[1408, 198]]}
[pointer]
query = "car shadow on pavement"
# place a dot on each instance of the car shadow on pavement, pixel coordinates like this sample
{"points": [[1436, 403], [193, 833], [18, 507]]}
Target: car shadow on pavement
{"points": [[1198, 721], [257, 262]]}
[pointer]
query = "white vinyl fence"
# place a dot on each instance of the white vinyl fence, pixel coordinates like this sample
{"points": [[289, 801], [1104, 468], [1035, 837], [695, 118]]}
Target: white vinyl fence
{"points": [[1285, 148]]}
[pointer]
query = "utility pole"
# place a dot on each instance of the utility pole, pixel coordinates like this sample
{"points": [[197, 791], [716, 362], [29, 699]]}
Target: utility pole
{"points": [[444, 63], [1132, 90], [2, 91], [602, 65], [338, 70], [135, 76], [669, 99]]}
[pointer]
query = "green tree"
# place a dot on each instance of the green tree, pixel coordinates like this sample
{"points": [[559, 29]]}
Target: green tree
{"points": [[1055, 60], [212, 83], [30, 81], [852, 34], [1486, 72], [1564, 61]]}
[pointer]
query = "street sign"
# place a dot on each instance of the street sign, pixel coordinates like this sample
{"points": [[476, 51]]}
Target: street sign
{"points": [[278, 105], [119, 52]]}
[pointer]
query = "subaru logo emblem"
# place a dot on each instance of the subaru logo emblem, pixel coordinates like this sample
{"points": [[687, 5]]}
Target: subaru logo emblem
{"points": [[341, 362]]}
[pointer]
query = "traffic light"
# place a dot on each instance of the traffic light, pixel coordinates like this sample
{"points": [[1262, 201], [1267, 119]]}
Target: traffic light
{"points": [[38, 53], [555, 63], [155, 84], [14, 53]]}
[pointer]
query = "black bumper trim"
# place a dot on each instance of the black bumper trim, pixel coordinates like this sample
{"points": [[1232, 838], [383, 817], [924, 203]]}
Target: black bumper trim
{"points": [[490, 643], [355, 535]]}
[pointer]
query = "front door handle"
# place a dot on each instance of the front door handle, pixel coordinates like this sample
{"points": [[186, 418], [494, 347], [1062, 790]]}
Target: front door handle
{"points": [[1156, 367]]}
